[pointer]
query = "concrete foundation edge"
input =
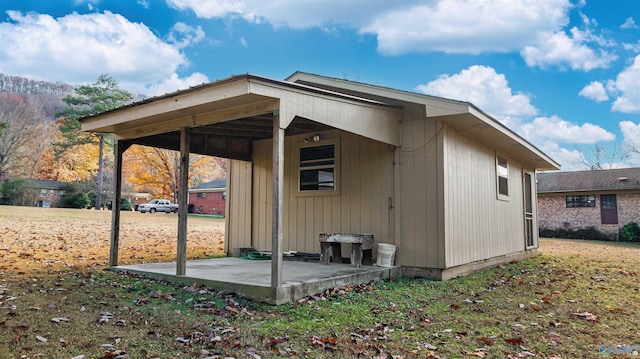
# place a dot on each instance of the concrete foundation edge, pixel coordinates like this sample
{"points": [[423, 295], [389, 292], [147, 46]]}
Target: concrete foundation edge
{"points": [[466, 269]]}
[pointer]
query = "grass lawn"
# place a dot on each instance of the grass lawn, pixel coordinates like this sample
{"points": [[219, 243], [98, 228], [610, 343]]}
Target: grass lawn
{"points": [[577, 300]]}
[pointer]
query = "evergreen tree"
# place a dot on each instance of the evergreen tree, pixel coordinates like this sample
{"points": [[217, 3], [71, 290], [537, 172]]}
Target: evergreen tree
{"points": [[101, 96]]}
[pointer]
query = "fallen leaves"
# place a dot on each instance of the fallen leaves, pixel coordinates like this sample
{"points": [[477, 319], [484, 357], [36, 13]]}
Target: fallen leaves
{"points": [[518, 327], [514, 341], [587, 316], [41, 338], [436, 319], [326, 343], [31, 241], [105, 317]]}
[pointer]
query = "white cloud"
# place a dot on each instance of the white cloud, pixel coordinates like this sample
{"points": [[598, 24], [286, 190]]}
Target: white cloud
{"points": [[467, 26], [293, 13], [559, 49], [631, 135], [243, 42], [210, 8], [632, 47], [535, 28], [626, 84], [183, 35], [175, 83], [569, 160], [452, 26], [630, 132], [594, 91], [486, 89], [556, 129], [629, 23], [78, 48]]}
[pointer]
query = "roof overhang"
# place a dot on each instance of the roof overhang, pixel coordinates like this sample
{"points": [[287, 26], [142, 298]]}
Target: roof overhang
{"points": [[477, 124], [226, 116], [460, 115]]}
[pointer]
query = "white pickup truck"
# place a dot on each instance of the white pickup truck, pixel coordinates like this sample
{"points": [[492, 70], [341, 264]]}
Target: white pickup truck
{"points": [[158, 205]]}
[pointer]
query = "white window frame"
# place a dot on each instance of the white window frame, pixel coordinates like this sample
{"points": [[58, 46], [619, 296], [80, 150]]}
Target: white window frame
{"points": [[502, 172], [335, 166], [580, 201]]}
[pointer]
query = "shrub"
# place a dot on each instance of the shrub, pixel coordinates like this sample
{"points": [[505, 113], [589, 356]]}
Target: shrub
{"points": [[630, 232], [76, 200], [14, 190], [590, 233], [125, 204]]}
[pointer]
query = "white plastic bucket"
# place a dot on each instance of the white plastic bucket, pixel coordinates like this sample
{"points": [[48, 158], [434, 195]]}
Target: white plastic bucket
{"points": [[386, 255]]}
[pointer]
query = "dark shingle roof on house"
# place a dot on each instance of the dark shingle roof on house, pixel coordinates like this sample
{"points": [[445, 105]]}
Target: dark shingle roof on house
{"points": [[48, 184], [581, 181], [220, 183]]}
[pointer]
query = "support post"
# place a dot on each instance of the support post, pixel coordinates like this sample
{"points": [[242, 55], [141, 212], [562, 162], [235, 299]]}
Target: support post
{"points": [[277, 202], [181, 252], [118, 149]]}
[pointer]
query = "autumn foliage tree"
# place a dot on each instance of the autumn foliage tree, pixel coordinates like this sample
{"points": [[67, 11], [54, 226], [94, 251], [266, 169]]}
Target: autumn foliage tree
{"points": [[101, 96], [156, 171]]}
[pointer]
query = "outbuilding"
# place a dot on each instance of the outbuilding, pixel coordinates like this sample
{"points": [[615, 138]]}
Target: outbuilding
{"points": [[450, 187]]}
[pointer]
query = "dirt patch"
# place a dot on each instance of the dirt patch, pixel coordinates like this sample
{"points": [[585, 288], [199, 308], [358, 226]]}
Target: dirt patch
{"points": [[36, 239], [623, 252]]}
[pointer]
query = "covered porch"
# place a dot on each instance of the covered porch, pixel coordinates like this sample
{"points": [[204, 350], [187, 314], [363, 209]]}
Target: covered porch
{"points": [[236, 118]]}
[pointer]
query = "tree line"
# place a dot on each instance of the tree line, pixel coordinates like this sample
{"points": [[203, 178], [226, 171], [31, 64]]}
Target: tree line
{"points": [[40, 138]]}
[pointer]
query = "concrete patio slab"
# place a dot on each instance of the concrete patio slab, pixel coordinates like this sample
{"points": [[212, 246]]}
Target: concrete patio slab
{"points": [[252, 278]]}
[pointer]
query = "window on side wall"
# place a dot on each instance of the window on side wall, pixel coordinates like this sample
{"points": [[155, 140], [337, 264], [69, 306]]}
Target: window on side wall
{"points": [[43, 192], [318, 169], [502, 178], [201, 194], [581, 201]]}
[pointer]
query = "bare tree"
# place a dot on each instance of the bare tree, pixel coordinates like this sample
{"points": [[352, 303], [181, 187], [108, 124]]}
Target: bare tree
{"points": [[601, 159], [24, 135]]}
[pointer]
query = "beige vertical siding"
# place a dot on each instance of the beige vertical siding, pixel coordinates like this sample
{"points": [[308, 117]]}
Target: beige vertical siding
{"points": [[238, 219], [447, 210], [420, 239], [365, 181], [478, 225]]}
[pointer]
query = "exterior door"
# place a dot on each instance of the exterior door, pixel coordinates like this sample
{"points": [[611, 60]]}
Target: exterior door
{"points": [[608, 209], [529, 235]]}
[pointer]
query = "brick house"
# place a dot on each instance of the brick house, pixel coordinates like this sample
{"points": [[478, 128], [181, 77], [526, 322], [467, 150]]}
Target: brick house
{"points": [[605, 199], [45, 193], [209, 197]]}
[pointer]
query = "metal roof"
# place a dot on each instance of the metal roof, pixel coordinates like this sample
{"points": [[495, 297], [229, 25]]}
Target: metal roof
{"points": [[589, 181]]}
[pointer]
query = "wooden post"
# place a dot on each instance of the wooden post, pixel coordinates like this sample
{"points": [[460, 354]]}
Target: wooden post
{"points": [[118, 149], [181, 256], [277, 202]]}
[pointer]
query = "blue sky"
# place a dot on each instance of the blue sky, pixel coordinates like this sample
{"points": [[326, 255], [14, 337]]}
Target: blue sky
{"points": [[563, 74]]}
